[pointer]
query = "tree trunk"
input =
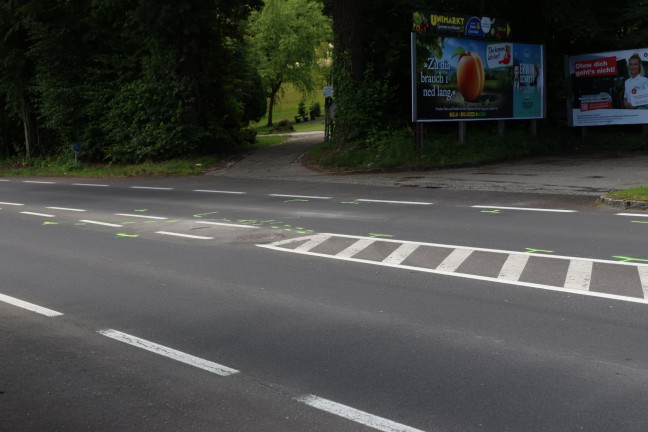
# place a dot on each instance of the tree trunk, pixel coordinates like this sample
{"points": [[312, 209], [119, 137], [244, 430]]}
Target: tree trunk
{"points": [[30, 127], [274, 89], [270, 107], [349, 30]]}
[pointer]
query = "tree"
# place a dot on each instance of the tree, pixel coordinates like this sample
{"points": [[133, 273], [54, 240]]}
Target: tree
{"points": [[284, 36]]}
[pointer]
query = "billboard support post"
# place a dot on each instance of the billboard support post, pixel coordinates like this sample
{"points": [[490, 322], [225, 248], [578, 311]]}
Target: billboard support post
{"points": [[463, 131], [534, 128], [501, 128]]}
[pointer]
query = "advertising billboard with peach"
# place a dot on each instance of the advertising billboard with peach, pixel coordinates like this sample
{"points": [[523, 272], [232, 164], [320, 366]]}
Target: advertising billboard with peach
{"points": [[608, 88], [467, 79]]}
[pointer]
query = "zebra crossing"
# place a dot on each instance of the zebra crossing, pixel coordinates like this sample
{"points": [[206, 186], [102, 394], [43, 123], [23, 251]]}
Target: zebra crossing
{"points": [[601, 278]]}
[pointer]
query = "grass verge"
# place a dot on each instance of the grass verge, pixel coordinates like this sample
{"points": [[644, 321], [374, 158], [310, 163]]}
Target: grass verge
{"points": [[633, 194]]}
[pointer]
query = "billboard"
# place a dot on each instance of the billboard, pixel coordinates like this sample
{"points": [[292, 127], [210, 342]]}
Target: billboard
{"points": [[460, 25], [608, 88], [468, 79]]}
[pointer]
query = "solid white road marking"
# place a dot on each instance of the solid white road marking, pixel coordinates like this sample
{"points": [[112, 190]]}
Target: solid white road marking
{"points": [[401, 254], [454, 260], [219, 191], [38, 214], [11, 204], [38, 182], [632, 214], [312, 242], [579, 275], [65, 209], [207, 365], [643, 276], [90, 184], [101, 223], [151, 188], [174, 234], [355, 248], [525, 209], [141, 216], [29, 306], [228, 224], [513, 267], [394, 202], [299, 196], [357, 416]]}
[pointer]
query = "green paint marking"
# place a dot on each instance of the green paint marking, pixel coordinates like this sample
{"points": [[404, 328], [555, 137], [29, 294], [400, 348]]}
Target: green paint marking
{"points": [[267, 221], [50, 223], [297, 200], [200, 215], [629, 259], [639, 222], [127, 223], [275, 227], [287, 229], [491, 211], [172, 221], [247, 221], [349, 202], [141, 210], [127, 235], [80, 223], [532, 250], [379, 235]]}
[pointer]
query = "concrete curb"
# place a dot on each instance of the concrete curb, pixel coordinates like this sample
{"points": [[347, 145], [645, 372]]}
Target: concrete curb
{"points": [[624, 204]]}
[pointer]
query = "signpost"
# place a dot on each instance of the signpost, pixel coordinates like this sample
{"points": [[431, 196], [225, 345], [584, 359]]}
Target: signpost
{"points": [[76, 148]]}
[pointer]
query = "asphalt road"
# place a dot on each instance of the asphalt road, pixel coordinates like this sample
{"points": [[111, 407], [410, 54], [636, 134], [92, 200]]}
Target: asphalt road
{"points": [[218, 303]]}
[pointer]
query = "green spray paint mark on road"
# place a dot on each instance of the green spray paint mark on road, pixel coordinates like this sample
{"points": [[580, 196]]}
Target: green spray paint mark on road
{"points": [[141, 210], [200, 215], [350, 202], [376, 235], [124, 235], [127, 223], [630, 259], [491, 211], [532, 250], [171, 221], [50, 223], [297, 200]]}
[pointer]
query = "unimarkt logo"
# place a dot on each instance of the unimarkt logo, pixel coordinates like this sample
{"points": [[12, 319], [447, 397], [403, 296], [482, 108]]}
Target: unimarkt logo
{"points": [[442, 19]]}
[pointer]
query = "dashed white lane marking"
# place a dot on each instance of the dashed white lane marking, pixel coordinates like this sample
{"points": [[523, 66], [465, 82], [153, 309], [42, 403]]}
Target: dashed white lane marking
{"points": [[93, 222], [632, 214], [151, 188], [65, 209], [174, 234], [579, 275], [357, 416], [525, 209], [141, 216], [513, 267], [38, 182], [394, 202], [38, 214], [29, 306], [355, 248], [171, 353], [90, 184], [228, 224], [643, 276], [454, 260], [4, 180], [401, 254], [299, 196], [219, 192], [11, 204]]}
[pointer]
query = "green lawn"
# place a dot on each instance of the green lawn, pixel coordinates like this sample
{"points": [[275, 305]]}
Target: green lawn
{"points": [[287, 109]]}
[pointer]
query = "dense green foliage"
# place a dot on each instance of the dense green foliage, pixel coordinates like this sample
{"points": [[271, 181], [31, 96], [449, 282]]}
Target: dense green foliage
{"points": [[131, 80]]}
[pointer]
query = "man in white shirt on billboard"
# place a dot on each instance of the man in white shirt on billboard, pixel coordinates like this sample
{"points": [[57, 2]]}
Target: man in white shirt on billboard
{"points": [[636, 87]]}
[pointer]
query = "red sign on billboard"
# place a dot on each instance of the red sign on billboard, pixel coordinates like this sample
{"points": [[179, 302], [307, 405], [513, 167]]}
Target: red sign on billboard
{"points": [[606, 66]]}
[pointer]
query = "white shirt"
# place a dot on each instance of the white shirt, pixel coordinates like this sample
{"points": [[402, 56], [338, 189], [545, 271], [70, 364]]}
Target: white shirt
{"points": [[638, 82]]}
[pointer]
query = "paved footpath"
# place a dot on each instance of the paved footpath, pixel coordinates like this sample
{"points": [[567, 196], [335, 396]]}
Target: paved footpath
{"points": [[589, 174]]}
